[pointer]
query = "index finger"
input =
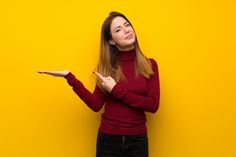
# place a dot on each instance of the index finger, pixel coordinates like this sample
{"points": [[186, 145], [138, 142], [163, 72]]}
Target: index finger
{"points": [[99, 76]]}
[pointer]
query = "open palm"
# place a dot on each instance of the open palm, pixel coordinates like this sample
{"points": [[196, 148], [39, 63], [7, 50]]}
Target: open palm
{"points": [[54, 73]]}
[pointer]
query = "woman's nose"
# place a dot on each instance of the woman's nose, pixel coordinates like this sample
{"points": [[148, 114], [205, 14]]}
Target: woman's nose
{"points": [[126, 30]]}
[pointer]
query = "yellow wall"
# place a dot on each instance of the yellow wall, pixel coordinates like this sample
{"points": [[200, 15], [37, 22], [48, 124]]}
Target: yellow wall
{"points": [[192, 40]]}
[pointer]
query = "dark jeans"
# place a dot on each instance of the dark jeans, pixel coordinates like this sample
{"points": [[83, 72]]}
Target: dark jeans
{"points": [[122, 145]]}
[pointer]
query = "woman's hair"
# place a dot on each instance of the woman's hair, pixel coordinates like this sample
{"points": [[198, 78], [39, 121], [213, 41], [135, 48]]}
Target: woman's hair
{"points": [[108, 62]]}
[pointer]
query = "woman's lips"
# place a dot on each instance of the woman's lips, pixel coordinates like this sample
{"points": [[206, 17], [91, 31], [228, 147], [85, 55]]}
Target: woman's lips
{"points": [[129, 37]]}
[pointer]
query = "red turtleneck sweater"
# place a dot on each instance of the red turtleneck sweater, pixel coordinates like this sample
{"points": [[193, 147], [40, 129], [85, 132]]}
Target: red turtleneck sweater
{"points": [[125, 106]]}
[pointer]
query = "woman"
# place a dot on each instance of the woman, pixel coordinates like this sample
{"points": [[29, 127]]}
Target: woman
{"points": [[128, 85]]}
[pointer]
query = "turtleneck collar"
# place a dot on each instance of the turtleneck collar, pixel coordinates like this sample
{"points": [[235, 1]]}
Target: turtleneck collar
{"points": [[127, 55]]}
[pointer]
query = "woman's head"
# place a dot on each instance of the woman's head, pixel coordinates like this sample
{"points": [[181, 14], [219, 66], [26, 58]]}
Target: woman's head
{"points": [[118, 34], [117, 31]]}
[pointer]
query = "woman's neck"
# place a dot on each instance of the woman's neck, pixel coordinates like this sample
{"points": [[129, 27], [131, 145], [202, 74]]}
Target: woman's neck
{"points": [[127, 55], [127, 48]]}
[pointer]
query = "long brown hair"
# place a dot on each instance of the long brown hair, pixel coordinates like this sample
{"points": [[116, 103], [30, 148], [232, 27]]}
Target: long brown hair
{"points": [[108, 62]]}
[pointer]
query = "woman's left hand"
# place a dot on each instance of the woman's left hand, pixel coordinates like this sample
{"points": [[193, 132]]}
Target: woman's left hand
{"points": [[107, 82]]}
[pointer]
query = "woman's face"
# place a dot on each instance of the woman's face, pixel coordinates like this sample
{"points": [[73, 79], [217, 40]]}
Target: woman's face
{"points": [[123, 36]]}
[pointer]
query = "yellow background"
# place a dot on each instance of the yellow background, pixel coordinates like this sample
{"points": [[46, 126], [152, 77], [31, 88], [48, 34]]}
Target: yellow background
{"points": [[193, 42]]}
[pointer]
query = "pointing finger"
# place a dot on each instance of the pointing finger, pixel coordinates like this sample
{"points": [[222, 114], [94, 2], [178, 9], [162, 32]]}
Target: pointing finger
{"points": [[99, 75]]}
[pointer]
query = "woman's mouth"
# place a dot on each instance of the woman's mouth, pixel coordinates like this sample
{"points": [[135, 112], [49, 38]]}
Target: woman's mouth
{"points": [[128, 37]]}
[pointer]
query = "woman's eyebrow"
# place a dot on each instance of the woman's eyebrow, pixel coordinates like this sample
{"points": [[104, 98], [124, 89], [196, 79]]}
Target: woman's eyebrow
{"points": [[116, 27], [126, 22]]}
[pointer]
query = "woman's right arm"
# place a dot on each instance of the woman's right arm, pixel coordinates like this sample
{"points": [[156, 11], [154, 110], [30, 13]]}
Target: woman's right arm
{"points": [[93, 100]]}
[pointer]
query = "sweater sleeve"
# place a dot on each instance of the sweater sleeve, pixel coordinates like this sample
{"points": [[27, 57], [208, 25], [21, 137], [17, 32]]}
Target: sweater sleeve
{"points": [[93, 100], [150, 102]]}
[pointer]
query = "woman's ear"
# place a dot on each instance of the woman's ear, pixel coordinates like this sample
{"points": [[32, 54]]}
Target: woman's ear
{"points": [[111, 42]]}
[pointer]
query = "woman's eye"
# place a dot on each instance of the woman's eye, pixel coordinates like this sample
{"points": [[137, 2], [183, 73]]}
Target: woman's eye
{"points": [[117, 30]]}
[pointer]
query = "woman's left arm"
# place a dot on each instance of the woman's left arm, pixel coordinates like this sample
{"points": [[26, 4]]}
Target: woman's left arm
{"points": [[150, 102]]}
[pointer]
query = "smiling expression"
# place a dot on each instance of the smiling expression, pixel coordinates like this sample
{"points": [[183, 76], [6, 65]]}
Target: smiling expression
{"points": [[123, 36]]}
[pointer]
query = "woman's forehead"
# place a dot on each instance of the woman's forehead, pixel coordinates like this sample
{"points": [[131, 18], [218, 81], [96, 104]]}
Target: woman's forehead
{"points": [[117, 21]]}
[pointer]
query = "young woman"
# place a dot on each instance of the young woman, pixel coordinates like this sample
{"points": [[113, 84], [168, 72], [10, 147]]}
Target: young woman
{"points": [[127, 85]]}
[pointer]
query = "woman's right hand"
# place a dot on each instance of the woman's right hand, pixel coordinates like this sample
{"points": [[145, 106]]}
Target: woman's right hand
{"points": [[54, 73]]}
